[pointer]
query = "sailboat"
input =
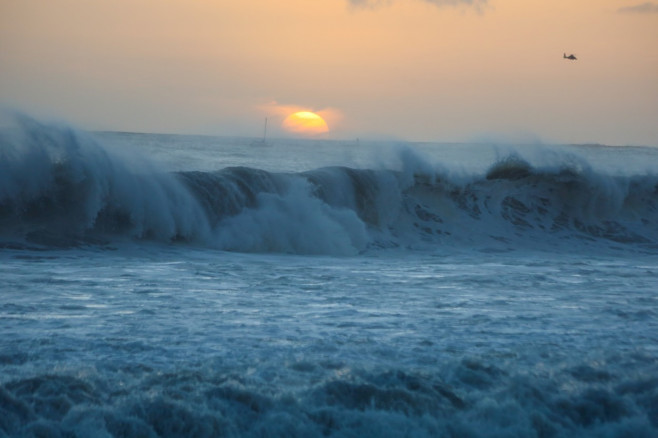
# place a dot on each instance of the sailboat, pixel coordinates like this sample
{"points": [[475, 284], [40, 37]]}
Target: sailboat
{"points": [[263, 141]]}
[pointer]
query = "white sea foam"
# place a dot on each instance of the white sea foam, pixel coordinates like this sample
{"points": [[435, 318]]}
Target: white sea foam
{"points": [[294, 222], [171, 341]]}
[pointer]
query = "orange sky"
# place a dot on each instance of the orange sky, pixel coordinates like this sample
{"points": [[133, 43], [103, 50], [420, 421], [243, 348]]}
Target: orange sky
{"points": [[427, 70]]}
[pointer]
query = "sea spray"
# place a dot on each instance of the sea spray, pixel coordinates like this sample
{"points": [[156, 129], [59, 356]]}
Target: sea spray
{"points": [[293, 222], [60, 185]]}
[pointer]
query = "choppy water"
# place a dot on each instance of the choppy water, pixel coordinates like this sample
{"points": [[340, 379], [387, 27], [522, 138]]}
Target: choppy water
{"points": [[369, 290]]}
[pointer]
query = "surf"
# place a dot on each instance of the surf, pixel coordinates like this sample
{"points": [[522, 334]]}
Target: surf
{"points": [[61, 187]]}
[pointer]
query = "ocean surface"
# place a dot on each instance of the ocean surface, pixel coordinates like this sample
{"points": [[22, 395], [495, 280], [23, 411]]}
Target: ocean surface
{"points": [[161, 285]]}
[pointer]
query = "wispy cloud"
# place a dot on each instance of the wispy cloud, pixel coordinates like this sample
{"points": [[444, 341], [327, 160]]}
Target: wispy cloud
{"points": [[644, 8], [376, 3], [367, 3]]}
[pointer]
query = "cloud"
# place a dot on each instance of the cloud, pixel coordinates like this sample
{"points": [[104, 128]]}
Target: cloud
{"points": [[376, 3], [644, 8], [367, 3]]}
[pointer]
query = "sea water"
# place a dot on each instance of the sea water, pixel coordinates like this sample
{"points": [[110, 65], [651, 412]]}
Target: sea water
{"points": [[157, 285]]}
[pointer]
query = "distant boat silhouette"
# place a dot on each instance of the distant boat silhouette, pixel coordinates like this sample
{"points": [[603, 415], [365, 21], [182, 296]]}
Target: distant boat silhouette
{"points": [[571, 57], [262, 142]]}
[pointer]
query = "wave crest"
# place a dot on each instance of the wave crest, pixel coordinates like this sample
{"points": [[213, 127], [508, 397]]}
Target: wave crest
{"points": [[60, 185]]}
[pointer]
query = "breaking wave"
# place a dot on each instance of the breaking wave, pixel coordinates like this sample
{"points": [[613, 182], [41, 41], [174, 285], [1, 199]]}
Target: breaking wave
{"points": [[60, 187]]}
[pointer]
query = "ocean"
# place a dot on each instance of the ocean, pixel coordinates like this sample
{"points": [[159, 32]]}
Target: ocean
{"points": [[165, 285]]}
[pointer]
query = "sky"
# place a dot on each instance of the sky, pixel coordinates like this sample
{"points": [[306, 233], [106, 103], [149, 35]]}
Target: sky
{"points": [[415, 70]]}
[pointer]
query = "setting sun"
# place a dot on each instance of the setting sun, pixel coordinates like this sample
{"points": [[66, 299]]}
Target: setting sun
{"points": [[305, 122]]}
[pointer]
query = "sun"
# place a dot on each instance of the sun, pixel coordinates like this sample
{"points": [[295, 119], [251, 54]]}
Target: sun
{"points": [[305, 122]]}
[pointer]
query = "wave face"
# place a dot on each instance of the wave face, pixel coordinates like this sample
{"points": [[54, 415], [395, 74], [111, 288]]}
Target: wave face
{"points": [[59, 187]]}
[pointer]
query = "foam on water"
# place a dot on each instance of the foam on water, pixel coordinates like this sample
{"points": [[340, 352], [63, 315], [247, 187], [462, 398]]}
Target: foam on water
{"points": [[172, 342]]}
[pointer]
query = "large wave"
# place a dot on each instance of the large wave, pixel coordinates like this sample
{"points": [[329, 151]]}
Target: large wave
{"points": [[60, 187]]}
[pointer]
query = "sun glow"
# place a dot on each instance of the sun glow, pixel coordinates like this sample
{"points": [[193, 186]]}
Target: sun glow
{"points": [[305, 122]]}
